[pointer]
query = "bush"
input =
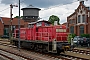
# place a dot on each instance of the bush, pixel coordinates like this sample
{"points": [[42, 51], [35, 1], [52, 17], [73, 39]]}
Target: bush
{"points": [[70, 36], [85, 35], [73, 35]]}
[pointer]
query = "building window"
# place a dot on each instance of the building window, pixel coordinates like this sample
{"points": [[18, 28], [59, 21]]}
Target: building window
{"points": [[71, 21], [72, 29], [79, 18], [6, 31], [83, 18], [81, 30]]}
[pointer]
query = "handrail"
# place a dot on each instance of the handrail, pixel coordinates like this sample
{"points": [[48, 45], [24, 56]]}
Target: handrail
{"points": [[41, 35], [14, 35]]}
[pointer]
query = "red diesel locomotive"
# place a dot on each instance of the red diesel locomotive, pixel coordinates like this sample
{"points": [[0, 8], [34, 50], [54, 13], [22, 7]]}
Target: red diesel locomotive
{"points": [[42, 36]]}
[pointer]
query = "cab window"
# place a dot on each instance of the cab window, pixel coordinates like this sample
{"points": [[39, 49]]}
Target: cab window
{"points": [[39, 24], [46, 24]]}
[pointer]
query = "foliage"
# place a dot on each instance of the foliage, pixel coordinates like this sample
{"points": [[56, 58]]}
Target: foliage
{"points": [[70, 36], [54, 18], [85, 35], [18, 17], [73, 35]]}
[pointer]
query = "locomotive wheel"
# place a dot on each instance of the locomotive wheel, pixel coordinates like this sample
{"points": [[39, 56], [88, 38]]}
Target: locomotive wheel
{"points": [[32, 46], [36, 48], [45, 49], [60, 50], [15, 43], [40, 48]]}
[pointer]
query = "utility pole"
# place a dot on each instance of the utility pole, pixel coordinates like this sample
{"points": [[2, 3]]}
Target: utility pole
{"points": [[19, 28], [10, 25]]}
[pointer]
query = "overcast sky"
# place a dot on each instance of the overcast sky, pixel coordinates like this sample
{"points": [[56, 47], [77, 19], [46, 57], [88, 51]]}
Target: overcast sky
{"points": [[60, 8]]}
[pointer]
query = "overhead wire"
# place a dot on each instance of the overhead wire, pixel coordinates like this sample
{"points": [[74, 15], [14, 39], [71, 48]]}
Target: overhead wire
{"points": [[4, 9], [9, 7], [43, 9], [57, 6]]}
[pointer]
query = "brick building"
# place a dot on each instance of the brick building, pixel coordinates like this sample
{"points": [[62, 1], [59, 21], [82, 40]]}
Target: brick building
{"points": [[65, 24], [5, 25], [79, 21]]}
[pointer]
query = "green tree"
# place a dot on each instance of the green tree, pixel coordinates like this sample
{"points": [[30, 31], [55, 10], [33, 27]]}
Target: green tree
{"points": [[54, 18]]}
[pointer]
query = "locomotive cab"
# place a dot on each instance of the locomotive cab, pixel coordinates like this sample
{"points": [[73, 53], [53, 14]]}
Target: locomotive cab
{"points": [[39, 23]]}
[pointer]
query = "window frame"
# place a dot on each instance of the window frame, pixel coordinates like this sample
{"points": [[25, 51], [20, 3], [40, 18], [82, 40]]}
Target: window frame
{"points": [[71, 29], [79, 18], [83, 18], [81, 29]]}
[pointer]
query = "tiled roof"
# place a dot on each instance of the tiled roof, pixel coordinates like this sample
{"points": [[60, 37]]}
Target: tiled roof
{"points": [[6, 21]]}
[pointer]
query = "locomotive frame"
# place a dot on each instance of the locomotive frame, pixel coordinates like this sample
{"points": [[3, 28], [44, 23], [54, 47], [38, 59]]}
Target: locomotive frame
{"points": [[37, 39]]}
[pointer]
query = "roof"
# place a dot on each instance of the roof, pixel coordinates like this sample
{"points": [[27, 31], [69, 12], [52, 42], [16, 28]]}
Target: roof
{"points": [[84, 6], [81, 4], [65, 24], [1, 20], [88, 8], [31, 7], [6, 21], [39, 21], [71, 14]]}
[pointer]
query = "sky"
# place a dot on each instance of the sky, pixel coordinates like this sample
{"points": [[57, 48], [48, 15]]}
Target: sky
{"points": [[60, 8]]}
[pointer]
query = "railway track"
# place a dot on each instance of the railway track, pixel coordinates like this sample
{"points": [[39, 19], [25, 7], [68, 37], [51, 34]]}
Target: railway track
{"points": [[31, 55], [58, 57], [6, 57], [10, 56], [13, 55], [81, 51]]}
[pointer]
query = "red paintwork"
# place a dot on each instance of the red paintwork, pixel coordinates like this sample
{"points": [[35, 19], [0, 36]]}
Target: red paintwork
{"points": [[29, 34], [23, 33], [43, 33]]}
